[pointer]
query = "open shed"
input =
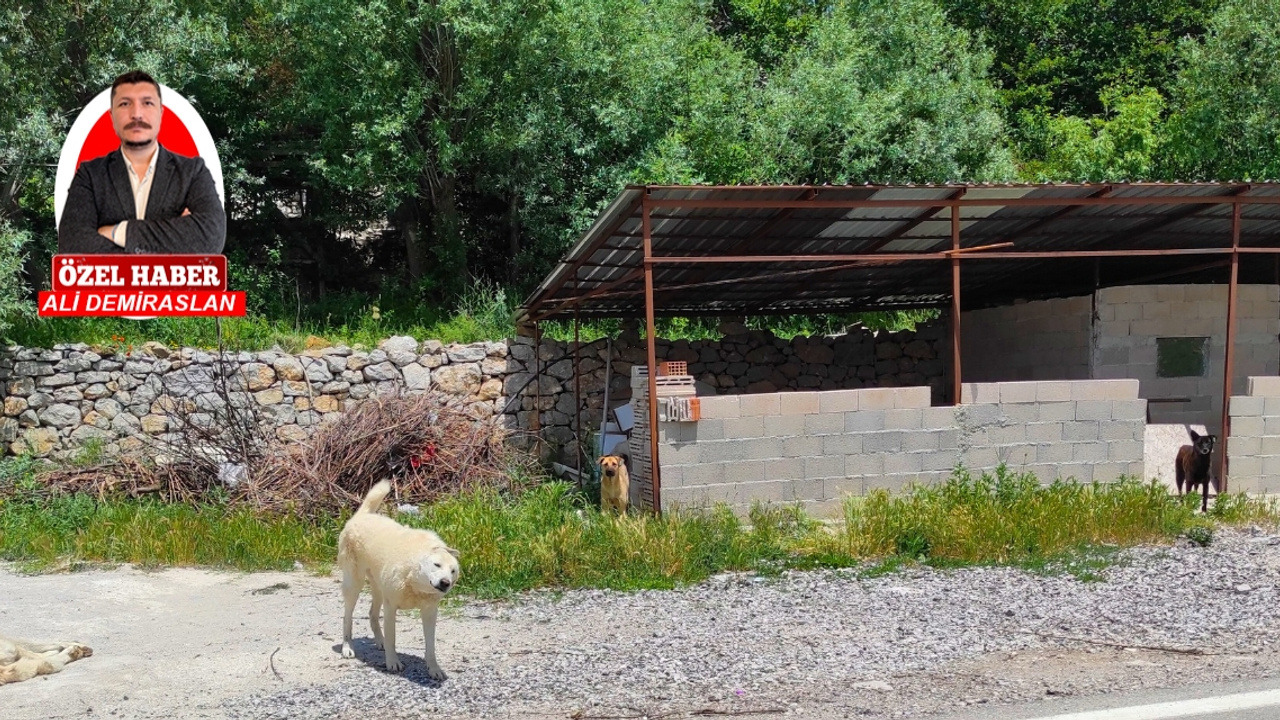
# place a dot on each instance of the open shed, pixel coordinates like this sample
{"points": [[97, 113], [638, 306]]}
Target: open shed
{"points": [[738, 250]]}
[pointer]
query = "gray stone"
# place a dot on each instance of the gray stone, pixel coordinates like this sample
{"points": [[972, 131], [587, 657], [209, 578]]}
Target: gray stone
{"points": [[8, 430], [60, 415], [288, 368], [68, 395], [434, 360], [401, 359], [58, 380], [377, 356], [21, 386], [465, 353], [336, 363], [32, 369], [28, 418], [38, 401], [360, 392], [137, 367], [125, 424], [74, 364], [108, 408], [381, 371], [336, 387], [96, 391], [85, 433], [190, 380], [399, 344], [282, 414], [317, 370], [97, 376], [417, 377], [108, 365], [357, 361], [458, 379]]}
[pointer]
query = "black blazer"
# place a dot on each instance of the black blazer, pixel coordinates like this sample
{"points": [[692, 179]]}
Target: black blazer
{"points": [[100, 195]]}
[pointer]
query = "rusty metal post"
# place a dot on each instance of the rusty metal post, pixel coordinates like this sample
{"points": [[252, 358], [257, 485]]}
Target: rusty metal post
{"points": [[577, 395], [655, 475], [537, 381], [1229, 355], [956, 381]]}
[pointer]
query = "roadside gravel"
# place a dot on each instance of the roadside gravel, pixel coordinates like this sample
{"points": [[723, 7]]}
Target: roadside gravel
{"points": [[828, 643], [202, 644]]}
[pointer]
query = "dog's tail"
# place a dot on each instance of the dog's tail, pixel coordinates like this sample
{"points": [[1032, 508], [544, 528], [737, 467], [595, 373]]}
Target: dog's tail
{"points": [[373, 500]]}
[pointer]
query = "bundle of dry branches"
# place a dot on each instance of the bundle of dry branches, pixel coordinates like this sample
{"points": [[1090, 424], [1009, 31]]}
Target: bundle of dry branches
{"points": [[428, 444]]}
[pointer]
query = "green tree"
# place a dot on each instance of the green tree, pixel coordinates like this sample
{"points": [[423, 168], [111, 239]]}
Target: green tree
{"points": [[1225, 117], [1121, 144]]}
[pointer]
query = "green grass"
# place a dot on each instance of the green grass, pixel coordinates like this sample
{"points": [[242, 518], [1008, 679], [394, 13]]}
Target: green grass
{"points": [[549, 538]]}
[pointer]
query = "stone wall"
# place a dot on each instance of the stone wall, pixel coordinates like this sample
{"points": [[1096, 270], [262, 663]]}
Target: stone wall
{"points": [[58, 399], [817, 447], [61, 398]]}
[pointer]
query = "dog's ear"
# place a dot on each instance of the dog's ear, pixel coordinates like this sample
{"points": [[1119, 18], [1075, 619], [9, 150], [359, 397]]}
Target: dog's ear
{"points": [[1194, 435], [452, 552]]}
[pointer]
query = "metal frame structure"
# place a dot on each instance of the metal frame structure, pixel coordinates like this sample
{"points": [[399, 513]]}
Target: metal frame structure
{"points": [[760, 250]]}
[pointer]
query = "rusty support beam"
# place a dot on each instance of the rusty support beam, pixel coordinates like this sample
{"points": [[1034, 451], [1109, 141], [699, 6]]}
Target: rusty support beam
{"points": [[577, 396], [956, 376], [689, 203], [1227, 370], [655, 473]]}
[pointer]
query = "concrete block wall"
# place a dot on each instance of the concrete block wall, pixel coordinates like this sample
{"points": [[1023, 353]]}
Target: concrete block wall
{"points": [[1042, 340], [1130, 319], [815, 448], [1253, 448]]}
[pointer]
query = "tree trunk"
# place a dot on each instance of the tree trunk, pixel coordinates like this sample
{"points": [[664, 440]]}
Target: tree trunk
{"points": [[407, 222]]}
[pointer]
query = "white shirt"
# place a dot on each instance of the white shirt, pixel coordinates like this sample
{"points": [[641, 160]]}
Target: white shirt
{"points": [[141, 192]]}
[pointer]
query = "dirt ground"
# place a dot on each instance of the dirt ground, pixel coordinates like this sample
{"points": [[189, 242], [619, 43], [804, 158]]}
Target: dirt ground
{"points": [[182, 643]]}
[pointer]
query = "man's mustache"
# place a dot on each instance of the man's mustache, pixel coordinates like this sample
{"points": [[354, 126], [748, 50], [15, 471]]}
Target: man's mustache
{"points": [[137, 124]]}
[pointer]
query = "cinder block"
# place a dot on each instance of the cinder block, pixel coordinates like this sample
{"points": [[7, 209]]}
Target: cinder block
{"points": [[1137, 470], [764, 449], [1095, 452], [1240, 446], [678, 454], [1118, 430], [1053, 453], [1271, 465], [941, 461], [980, 458], [808, 489], [1129, 409], [1244, 465], [1093, 410], [825, 466], [1023, 413], [845, 444], [701, 474], [672, 476], [903, 463], [891, 483], [824, 424], [724, 451], [842, 487], [1018, 392], [828, 509], [863, 421], [877, 398], [1264, 386], [979, 393], [1076, 471], [720, 406], [686, 498], [1080, 431], [799, 403], [783, 469], [1270, 405], [1057, 411], [904, 419], [803, 446], [833, 401], [746, 493], [978, 415], [937, 418], [882, 442], [912, 397], [1104, 389], [1125, 451], [762, 404], [1007, 435], [948, 439], [745, 427], [1269, 445], [1044, 432], [1109, 472], [920, 441], [1270, 425], [862, 465], [707, 430], [1016, 455], [783, 425]]}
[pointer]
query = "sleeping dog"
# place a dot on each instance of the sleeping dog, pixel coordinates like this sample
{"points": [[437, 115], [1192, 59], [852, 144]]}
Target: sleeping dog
{"points": [[1193, 466]]}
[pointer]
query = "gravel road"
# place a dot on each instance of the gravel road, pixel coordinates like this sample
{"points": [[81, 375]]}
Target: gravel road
{"points": [[202, 644]]}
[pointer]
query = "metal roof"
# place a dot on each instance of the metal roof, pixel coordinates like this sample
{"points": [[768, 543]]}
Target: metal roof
{"points": [[758, 250]]}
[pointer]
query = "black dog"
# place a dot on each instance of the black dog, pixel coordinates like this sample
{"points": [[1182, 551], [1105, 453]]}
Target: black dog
{"points": [[1193, 465]]}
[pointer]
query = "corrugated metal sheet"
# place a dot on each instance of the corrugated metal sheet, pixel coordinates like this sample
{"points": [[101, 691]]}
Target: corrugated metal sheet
{"points": [[602, 275]]}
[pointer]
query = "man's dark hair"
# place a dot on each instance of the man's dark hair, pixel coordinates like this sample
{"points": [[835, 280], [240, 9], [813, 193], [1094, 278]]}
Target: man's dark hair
{"points": [[131, 77]]}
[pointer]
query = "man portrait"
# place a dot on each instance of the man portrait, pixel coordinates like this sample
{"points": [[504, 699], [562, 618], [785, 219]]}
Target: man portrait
{"points": [[141, 198]]}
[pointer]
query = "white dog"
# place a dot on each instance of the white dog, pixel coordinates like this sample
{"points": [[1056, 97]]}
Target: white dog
{"points": [[406, 568], [21, 660]]}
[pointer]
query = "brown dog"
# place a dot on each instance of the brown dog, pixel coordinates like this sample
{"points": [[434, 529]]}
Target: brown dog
{"points": [[615, 486], [1193, 465]]}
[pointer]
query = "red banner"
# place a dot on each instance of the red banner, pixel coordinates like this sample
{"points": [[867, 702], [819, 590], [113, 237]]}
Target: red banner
{"points": [[141, 303], [122, 273]]}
